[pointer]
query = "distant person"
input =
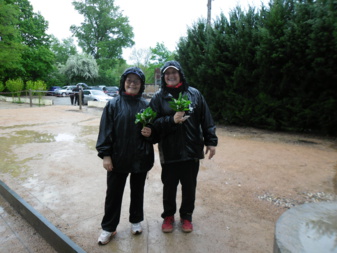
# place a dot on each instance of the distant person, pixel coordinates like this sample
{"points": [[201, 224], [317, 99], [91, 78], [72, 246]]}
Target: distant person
{"points": [[125, 151], [72, 96], [182, 140], [76, 91]]}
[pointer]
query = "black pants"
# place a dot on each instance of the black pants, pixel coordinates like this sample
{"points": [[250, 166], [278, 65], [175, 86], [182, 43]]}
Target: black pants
{"points": [[114, 195], [72, 99], [186, 173]]}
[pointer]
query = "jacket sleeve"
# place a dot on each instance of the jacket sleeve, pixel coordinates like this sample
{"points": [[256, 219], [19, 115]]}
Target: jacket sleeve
{"points": [[207, 124], [104, 144], [163, 124]]}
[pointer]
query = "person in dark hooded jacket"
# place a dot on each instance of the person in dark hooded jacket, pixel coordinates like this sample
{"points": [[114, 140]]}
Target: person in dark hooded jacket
{"points": [[183, 136], [125, 149]]}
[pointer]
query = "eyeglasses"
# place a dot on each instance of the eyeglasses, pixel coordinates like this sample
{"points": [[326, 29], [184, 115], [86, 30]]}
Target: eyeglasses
{"points": [[130, 81]]}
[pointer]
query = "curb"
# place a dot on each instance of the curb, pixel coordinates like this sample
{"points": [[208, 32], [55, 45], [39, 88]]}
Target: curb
{"points": [[59, 241]]}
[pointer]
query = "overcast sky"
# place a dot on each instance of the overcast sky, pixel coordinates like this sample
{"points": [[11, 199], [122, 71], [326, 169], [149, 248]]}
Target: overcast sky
{"points": [[152, 20]]}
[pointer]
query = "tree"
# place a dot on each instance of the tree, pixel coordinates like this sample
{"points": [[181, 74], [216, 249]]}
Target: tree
{"points": [[15, 86], [105, 31], [81, 68], [32, 59], [273, 69], [37, 87], [2, 86], [140, 57], [63, 50], [160, 54], [10, 40]]}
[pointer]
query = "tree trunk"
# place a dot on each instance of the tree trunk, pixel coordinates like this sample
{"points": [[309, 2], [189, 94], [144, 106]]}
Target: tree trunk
{"points": [[209, 10]]}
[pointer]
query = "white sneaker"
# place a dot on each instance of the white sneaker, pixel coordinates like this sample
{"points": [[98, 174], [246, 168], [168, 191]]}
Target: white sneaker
{"points": [[136, 228], [105, 237]]}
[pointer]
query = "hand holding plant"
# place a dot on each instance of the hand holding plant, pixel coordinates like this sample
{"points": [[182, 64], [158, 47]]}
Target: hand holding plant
{"points": [[146, 116]]}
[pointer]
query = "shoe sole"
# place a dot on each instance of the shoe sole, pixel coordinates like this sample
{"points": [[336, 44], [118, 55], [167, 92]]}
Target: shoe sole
{"points": [[167, 230], [136, 232], [110, 238]]}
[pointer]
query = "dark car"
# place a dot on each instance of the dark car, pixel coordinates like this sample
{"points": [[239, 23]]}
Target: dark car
{"points": [[112, 91], [51, 90]]}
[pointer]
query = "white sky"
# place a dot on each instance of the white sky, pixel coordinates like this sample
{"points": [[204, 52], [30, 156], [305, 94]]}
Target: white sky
{"points": [[152, 20]]}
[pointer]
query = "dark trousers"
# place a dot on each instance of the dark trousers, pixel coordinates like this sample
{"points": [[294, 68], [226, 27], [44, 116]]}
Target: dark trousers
{"points": [[186, 173], [72, 99], [114, 195], [76, 101]]}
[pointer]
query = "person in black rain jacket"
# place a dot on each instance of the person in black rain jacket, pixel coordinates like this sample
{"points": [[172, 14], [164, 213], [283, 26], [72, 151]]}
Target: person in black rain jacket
{"points": [[183, 136], [125, 149]]}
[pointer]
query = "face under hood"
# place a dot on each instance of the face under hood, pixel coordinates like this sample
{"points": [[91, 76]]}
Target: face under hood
{"points": [[133, 70], [177, 66]]}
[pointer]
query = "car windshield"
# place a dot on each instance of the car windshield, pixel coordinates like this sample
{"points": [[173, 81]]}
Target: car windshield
{"points": [[98, 93]]}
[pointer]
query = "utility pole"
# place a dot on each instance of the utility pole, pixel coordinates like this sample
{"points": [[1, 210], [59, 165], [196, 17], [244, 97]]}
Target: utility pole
{"points": [[209, 11]]}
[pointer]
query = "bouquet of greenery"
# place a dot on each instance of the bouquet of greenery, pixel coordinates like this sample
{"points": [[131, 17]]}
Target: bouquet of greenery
{"points": [[146, 116], [181, 104]]}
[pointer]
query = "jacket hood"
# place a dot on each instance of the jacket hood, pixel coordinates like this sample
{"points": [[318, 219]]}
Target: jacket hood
{"points": [[177, 66], [133, 70]]}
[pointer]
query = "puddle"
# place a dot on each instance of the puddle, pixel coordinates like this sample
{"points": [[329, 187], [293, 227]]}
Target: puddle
{"points": [[28, 136], [11, 162], [320, 235], [17, 126], [64, 137]]}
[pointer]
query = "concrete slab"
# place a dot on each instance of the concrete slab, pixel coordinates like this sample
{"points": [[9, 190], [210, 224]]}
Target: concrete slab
{"points": [[307, 228], [17, 235]]}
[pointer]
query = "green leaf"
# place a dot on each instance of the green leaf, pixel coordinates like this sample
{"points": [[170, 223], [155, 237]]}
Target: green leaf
{"points": [[146, 116], [181, 104]]}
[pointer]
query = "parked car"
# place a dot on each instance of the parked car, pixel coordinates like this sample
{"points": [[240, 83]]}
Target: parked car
{"points": [[95, 95], [64, 91], [51, 90], [94, 88], [112, 91], [83, 85]]}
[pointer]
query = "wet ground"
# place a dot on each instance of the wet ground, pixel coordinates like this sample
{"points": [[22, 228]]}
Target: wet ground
{"points": [[48, 157]]}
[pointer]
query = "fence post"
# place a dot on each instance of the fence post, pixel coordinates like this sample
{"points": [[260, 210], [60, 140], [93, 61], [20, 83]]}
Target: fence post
{"points": [[30, 98]]}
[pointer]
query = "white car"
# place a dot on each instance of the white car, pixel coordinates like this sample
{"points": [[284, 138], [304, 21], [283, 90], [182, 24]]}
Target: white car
{"points": [[95, 95], [64, 91]]}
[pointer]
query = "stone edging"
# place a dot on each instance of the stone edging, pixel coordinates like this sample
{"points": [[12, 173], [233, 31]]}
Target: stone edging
{"points": [[59, 241]]}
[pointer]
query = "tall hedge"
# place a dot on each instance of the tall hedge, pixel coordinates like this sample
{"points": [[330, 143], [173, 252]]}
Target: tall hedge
{"points": [[274, 67]]}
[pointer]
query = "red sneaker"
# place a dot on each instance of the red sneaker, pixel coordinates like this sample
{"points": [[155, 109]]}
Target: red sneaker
{"points": [[186, 226], [167, 226]]}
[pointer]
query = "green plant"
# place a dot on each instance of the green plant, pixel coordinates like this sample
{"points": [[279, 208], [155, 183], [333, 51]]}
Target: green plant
{"points": [[15, 86], [37, 87], [2, 86], [181, 104], [146, 116]]}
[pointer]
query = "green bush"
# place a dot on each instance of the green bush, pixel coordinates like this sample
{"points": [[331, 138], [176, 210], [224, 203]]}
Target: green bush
{"points": [[2, 86], [38, 87], [15, 86]]}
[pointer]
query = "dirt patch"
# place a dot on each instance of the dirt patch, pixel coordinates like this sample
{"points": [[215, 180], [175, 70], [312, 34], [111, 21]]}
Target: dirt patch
{"points": [[255, 176]]}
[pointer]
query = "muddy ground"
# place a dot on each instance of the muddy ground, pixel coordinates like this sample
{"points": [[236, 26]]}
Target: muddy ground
{"points": [[48, 157]]}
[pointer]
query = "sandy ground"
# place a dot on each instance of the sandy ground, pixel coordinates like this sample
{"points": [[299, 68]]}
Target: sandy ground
{"points": [[48, 157]]}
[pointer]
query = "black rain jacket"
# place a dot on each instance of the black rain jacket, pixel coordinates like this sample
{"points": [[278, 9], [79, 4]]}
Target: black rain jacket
{"points": [[120, 138], [186, 141]]}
